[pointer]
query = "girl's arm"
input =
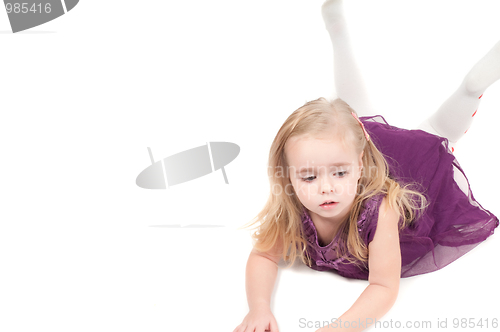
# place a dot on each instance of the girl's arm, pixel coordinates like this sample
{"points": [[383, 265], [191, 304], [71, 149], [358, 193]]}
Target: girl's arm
{"points": [[384, 263], [261, 271]]}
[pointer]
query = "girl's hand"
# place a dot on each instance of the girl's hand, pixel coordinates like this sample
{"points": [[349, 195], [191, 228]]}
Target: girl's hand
{"points": [[258, 320]]}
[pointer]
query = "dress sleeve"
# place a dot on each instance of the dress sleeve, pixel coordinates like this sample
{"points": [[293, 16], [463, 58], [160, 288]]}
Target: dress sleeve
{"points": [[368, 218]]}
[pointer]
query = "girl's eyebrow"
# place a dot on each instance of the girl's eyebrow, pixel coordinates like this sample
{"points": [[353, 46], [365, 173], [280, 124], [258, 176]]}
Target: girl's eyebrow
{"points": [[303, 170]]}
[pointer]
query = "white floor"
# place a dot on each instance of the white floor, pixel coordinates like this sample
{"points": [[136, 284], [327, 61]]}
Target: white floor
{"points": [[82, 248]]}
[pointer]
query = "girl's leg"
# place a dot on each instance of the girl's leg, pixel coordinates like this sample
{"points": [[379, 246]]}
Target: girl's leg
{"points": [[454, 117], [349, 83]]}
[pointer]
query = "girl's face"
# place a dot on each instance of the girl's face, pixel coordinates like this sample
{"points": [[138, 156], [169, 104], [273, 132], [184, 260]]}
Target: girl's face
{"points": [[323, 170]]}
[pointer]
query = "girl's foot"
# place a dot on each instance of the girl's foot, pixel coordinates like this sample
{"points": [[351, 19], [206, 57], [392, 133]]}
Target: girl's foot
{"points": [[333, 12], [485, 72], [454, 117]]}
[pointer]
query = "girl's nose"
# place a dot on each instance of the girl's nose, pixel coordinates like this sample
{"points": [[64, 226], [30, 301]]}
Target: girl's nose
{"points": [[327, 187]]}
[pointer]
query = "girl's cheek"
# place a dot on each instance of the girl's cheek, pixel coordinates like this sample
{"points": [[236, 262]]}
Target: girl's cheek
{"points": [[308, 190]]}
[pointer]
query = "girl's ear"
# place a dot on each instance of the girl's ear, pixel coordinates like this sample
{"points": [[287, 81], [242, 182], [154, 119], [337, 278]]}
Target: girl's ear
{"points": [[361, 158], [360, 165]]}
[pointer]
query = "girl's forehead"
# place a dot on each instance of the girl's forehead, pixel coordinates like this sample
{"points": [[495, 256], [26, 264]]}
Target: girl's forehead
{"points": [[300, 142], [309, 139], [307, 149]]}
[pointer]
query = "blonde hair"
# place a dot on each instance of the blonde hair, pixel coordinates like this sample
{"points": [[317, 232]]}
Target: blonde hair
{"points": [[280, 219]]}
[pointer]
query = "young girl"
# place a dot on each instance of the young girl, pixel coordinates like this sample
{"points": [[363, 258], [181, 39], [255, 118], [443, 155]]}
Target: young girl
{"points": [[363, 198]]}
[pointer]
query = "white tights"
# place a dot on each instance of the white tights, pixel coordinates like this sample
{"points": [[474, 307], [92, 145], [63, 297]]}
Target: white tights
{"points": [[451, 120]]}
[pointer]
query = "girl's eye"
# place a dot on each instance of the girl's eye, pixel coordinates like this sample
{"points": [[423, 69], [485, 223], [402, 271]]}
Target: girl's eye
{"points": [[308, 179], [339, 174]]}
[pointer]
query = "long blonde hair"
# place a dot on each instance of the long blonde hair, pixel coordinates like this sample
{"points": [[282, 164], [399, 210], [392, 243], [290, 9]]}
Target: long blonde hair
{"points": [[280, 219]]}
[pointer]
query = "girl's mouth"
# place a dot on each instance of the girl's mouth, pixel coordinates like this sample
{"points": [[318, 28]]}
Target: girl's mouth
{"points": [[329, 205]]}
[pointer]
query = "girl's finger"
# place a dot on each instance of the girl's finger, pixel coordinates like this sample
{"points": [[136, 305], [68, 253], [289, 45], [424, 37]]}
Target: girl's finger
{"points": [[274, 326]]}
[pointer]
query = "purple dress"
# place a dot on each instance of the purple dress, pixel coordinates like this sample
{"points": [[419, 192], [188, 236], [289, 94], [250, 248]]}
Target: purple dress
{"points": [[451, 225]]}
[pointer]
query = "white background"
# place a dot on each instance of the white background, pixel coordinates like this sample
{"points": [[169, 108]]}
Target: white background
{"points": [[83, 248]]}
